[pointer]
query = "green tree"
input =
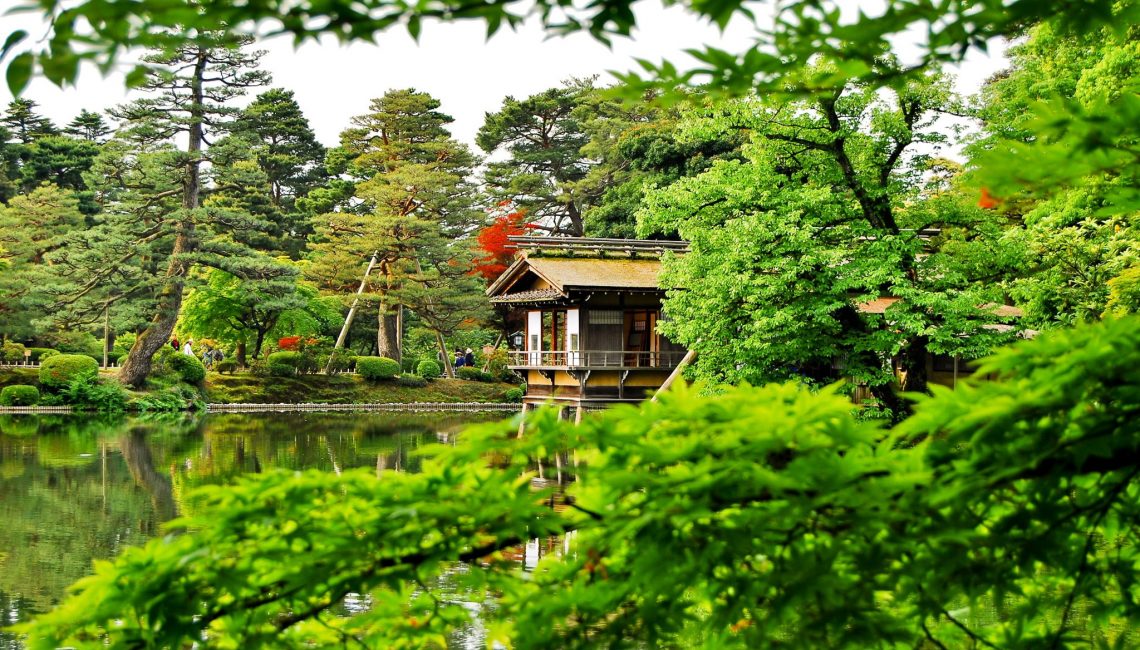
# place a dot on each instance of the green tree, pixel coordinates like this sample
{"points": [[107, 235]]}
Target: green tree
{"points": [[285, 145], [25, 123], [1075, 211], [192, 86], [242, 313], [411, 200], [58, 160], [90, 126], [543, 141], [32, 226], [827, 212]]}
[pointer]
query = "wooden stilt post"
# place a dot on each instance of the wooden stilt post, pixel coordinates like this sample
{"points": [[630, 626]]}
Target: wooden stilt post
{"points": [[351, 311], [688, 358]]}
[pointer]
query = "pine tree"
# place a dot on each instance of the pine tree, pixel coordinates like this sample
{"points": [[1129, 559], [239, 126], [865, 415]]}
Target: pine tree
{"points": [[89, 125], [25, 123], [411, 202], [191, 89]]}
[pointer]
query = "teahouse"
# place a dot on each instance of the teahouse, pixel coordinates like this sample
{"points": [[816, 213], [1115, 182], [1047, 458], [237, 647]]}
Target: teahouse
{"points": [[591, 312]]}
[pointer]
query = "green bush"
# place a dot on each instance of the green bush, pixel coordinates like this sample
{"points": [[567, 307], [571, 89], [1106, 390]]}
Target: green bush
{"points": [[474, 374], [226, 365], [19, 395], [121, 359], [12, 352], [412, 381], [59, 370], [375, 368], [428, 369], [278, 369], [189, 368], [514, 394], [86, 392], [286, 357], [41, 354]]}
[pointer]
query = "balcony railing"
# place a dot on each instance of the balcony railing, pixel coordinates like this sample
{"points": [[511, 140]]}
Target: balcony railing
{"points": [[594, 359]]}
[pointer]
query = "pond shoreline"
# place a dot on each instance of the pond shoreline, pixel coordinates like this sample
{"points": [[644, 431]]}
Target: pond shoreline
{"points": [[476, 407]]}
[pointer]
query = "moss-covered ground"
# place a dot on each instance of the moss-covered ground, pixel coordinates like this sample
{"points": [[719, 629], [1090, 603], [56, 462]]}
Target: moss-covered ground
{"points": [[343, 389], [335, 389]]}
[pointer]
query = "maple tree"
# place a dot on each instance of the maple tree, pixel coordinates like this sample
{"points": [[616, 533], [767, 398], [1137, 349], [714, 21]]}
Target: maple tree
{"points": [[494, 244]]}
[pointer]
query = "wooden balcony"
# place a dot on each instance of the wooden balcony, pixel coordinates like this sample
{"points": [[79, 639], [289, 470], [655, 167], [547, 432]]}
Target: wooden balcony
{"points": [[595, 360]]}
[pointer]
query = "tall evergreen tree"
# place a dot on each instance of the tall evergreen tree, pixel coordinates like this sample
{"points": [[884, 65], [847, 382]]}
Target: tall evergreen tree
{"points": [[25, 123], [543, 140], [411, 203], [284, 144], [191, 87], [89, 125]]}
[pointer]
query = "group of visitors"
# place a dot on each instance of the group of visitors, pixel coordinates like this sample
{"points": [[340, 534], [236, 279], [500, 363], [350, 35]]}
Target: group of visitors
{"points": [[464, 358], [210, 355]]}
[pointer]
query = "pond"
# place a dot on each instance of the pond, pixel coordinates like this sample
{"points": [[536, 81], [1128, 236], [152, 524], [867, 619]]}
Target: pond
{"points": [[74, 489]]}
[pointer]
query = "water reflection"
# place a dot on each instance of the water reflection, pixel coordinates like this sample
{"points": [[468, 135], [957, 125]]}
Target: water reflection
{"points": [[74, 489]]}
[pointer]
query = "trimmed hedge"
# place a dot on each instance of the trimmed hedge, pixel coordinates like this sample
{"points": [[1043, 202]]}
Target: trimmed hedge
{"points": [[41, 354], [474, 374], [286, 357], [278, 369], [189, 368], [428, 369], [412, 381], [59, 370], [514, 394], [226, 365], [375, 368], [19, 395]]}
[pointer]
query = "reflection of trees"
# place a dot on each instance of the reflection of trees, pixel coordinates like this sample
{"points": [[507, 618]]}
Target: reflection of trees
{"points": [[74, 489], [66, 498], [140, 461]]}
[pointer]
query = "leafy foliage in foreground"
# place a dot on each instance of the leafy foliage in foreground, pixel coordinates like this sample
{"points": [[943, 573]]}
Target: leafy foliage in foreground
{"points": [[725, 521]]}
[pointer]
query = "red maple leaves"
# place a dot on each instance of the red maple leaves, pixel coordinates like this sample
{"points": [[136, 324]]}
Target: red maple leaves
{"points": [[494, 241]]}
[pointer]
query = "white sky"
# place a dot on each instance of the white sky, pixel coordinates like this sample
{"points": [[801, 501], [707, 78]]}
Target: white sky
{"points": [[454, 62]]}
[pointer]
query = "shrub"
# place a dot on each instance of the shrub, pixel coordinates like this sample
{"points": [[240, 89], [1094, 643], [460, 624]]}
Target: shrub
{"points": [[377, 367], [474, 374], [226, 365], [40, 354], [428, 369], [288, 342], [189, 368], [258, 368], [412, 381], [59, 370], [12, 352], [286, 357], [278, 369], [19, 395], [121, 359], [514, 394], [86, 392]]}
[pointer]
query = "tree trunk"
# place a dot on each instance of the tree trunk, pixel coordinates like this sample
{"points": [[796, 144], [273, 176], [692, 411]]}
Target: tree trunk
{"points": [[399, 334], [239, 354], [257, 345], [914, 364], [137, 367], [387, 336], [448, 371]]}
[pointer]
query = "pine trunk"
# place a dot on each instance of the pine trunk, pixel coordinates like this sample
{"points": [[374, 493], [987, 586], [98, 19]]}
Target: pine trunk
{"points": [[914, 364], [387, 334], [134, 372]]}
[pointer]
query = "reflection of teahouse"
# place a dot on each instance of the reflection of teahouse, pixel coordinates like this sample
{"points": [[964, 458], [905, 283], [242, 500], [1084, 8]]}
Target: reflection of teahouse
{"points": [[591, 313]]}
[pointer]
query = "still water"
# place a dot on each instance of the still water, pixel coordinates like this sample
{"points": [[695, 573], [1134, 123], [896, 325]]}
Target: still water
{"points": [[74, 489]]}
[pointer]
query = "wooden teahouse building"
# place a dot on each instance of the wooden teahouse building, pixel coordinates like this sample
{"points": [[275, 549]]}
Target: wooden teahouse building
{"points": [[591, 312]]}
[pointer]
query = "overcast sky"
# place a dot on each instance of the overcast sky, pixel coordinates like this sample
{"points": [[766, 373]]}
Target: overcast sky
{"points": [[454, 62]]}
